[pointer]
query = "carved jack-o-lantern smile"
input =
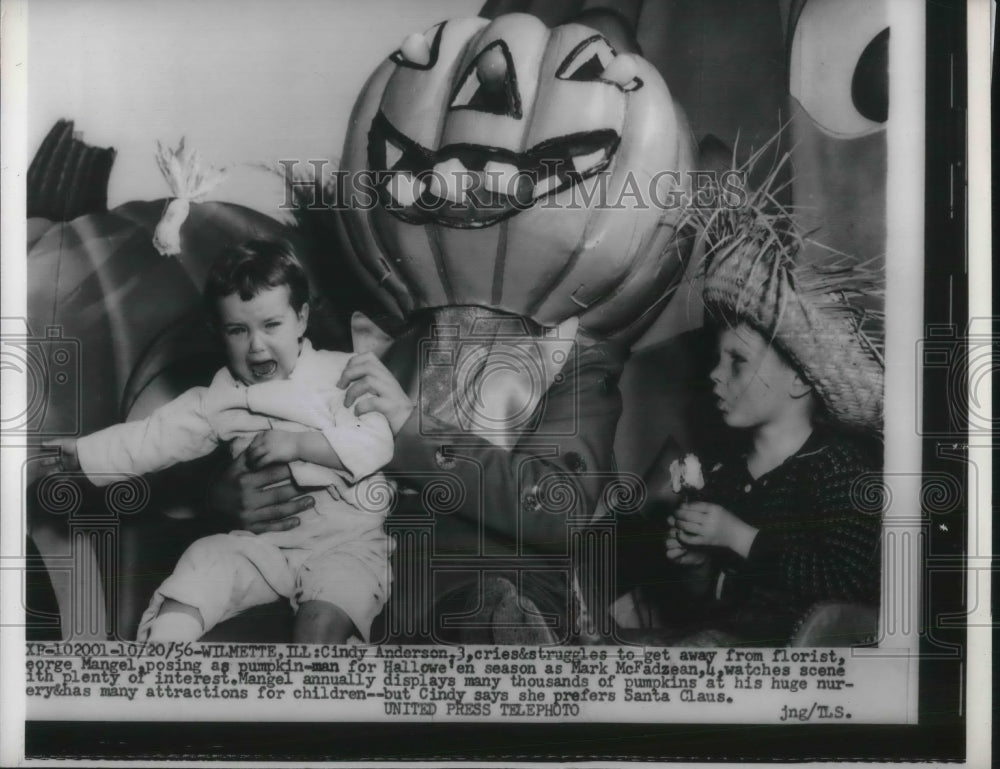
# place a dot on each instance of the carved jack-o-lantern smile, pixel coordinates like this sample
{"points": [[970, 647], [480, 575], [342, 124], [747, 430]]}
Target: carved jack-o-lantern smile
{"points": [[474, 185], [478, 137]]}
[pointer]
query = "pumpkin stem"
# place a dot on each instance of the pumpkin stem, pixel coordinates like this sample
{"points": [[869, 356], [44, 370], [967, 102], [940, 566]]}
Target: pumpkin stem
{"points": [[68, 178], [189, 182]]}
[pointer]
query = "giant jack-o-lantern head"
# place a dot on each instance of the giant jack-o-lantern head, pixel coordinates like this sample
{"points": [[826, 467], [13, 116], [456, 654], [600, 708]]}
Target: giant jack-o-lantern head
{"points": [[508, 165]]}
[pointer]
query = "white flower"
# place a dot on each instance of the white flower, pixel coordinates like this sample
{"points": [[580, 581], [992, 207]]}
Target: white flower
{"points": [[686, 474]]}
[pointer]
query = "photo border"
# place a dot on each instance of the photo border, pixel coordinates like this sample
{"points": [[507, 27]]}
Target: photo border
{"points": [[941, 731]]}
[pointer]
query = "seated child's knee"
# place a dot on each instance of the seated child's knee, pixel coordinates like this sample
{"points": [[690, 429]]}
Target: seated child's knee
{"points": [[322, 622], [207, 550]]}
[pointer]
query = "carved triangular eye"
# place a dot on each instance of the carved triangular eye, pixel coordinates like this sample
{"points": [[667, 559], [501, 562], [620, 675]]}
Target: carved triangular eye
{"points": [[587, 61], [489, 84], [595, 59]]}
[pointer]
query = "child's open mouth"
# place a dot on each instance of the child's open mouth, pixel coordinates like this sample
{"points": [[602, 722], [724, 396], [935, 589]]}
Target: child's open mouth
{"points": [[264, 370]]}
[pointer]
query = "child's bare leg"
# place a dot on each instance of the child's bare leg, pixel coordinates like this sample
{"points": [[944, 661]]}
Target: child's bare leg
{"points": [[177, 621], [318, 622]]}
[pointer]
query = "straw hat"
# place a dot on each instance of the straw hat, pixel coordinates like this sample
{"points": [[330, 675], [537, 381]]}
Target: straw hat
{"points": [[825, 318]]}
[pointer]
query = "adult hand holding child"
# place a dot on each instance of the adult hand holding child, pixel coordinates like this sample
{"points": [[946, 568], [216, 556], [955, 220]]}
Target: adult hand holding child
{"points": [[253, 498], [369, 384]]}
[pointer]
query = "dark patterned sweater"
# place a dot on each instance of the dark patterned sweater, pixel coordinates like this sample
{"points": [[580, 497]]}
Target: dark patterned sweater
{"points": [[815, 541]]}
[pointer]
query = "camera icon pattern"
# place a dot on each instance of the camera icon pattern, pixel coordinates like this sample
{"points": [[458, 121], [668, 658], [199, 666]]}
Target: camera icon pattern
{"points": [[954, 372], [491, 379], [48, 369]]}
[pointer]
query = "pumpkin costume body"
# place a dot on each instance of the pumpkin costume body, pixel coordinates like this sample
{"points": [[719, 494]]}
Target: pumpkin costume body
{"points": [[514, 509]]}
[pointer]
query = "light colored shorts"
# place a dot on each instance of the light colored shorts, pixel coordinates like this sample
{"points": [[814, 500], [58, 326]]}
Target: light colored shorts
{"points": [[226, 574]]}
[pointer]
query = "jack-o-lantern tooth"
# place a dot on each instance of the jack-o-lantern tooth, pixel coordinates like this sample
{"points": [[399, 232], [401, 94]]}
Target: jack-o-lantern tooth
{"points": [[405, 188], [622, 70], [415, 48], [584, 163], [449, 180], [500, 177], [392, 155]]}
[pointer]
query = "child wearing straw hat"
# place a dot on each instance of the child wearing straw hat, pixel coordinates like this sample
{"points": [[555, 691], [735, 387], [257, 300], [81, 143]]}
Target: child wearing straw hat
{"points": [[782, 521]]}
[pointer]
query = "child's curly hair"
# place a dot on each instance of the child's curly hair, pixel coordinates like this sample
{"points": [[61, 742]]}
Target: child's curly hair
{"points": [[253, 266]]}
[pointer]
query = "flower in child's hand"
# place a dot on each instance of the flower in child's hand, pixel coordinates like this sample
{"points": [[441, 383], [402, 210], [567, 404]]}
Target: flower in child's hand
{"points": [[686, 480], [686, 475], [680, 554], [272, 447], [708, 524]]}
